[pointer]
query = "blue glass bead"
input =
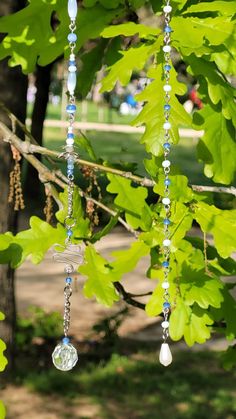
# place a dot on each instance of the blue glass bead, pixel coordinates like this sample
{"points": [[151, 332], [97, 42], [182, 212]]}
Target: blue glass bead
{"points": [[71, 108], [72, 37], [165, 264], [68, 280], [167, 107], [167, 67], [167, 29], [69, 233], [65, 340], [70, 135], [167, 182], [166, 221], [71, 63], [166, 305], [167, 146]]}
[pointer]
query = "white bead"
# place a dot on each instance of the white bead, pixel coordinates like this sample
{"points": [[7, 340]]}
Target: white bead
{"points": [[72, 68], [167, 9], [166, 163], [69, 141], [167, 125], [72, 57], [70, 130], [71, 82], [165, 324], [165, 285], [72, 9], [167, 87], [166, 242], [165, 356], [166, 201], [166, 48]]}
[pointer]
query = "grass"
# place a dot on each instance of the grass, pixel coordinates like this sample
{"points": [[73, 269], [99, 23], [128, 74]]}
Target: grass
{"points": [[122, 148], [138, 387]]}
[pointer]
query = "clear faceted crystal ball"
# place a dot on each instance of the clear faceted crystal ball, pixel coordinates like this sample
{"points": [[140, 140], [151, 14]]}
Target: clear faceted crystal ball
{"points": [[64, 356]]}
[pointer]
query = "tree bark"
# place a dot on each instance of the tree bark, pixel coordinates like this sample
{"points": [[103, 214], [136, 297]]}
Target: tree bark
{"points": [[43, 81], [13, 93]]}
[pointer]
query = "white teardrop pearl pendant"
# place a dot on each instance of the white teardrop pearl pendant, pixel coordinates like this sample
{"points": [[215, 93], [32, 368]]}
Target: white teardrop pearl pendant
{"points": [[165, 356]]}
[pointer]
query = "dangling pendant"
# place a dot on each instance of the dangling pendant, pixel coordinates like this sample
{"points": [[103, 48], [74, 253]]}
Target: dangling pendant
{"points": [[165, 356], [65, 356]]}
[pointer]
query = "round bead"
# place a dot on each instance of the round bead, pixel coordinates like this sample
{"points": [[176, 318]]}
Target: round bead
{"points": [[72, 68], [166, 221], [72, 37], [70, 141], [167, 125], [64, 356], [69, 233], [166, 163], [165, 324], [166, 243], [167, 182], [166, 305], [167, 9], [167, 87], [167, 146], [167, 67], [165, 285], [71, 108], [167, 107], [167, 29], [65, 340], [166, 201], [165, 264], [70, 135], [69, 269], [68, 280], [166, 48]]}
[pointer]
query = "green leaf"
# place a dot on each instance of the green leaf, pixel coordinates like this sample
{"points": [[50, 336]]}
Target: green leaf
{"points": [[226, 313], [81, 229], [152, 114], [129, 29], [36, 241], [217, 146], [228, 358], [2, 410], [197, 32], [85, 143], [91, 62], [197, 287], [106, 230], [221, 224], [127, 259], [100, 278], [192, 323], [132, 59], [5, 241], [3, 359], [134, 208], [223, 7]]}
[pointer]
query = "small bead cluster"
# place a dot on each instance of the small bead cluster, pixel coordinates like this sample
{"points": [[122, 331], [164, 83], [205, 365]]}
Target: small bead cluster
{"points": [[165, 354]]}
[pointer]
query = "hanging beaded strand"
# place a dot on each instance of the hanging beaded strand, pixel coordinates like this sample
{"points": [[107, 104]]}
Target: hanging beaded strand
{"points": [[65, 354], [165, 356]]}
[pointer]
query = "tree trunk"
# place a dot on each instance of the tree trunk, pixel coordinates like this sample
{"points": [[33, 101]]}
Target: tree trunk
{"points": [[43, 81], [13, 93]]}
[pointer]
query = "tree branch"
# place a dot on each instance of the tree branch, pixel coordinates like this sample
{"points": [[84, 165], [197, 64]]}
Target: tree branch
{"points": [[127, 297], [46, 176], [31, 147]]}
